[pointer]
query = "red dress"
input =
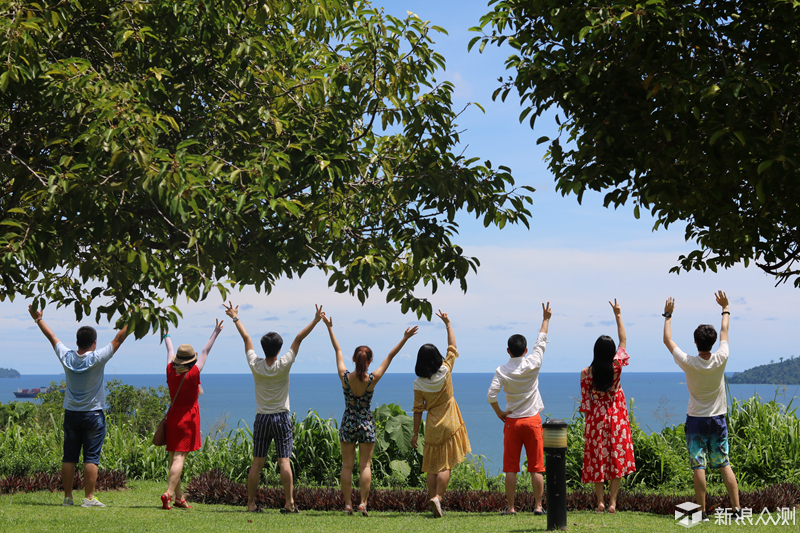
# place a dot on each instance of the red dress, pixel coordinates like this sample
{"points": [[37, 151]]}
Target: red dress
{"points": [[607, 448], [183, 419]]}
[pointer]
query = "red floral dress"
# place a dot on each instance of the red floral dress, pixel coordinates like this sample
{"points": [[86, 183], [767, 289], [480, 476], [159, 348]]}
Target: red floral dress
{"points": [[608, 449]]}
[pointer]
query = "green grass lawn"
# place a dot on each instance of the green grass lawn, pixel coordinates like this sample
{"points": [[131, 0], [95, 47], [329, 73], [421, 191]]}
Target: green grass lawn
{"points": [[139, 509]]}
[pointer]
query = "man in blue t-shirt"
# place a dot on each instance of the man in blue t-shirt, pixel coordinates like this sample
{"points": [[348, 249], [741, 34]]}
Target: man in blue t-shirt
{"points": [[84, 401]]}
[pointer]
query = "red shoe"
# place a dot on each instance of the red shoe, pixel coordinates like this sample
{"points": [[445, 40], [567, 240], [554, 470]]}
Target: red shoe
{"points": [[182, 504], [166, 501]]}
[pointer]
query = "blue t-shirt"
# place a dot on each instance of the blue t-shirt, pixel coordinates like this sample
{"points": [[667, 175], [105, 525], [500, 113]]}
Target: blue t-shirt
{"points": [[85, 377]]}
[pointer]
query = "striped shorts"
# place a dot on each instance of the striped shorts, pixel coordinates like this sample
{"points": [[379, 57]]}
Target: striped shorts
{"points": [[269, 427]]}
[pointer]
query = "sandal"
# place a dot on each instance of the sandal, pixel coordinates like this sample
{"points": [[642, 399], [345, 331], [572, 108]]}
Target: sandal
{"points": [[363, 509], [182, 504], [436, 507], [294, 510], [166, 501], [348, 509], [612, 509], [505, 511], [601, 508]]}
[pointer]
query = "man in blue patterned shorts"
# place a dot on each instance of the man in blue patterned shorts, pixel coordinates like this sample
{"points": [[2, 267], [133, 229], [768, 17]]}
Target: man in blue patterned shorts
{"points": [[706, 430], [273, 421]]}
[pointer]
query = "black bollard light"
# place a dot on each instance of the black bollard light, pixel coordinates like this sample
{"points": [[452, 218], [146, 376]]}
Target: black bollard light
{"points": [[554, 435]]}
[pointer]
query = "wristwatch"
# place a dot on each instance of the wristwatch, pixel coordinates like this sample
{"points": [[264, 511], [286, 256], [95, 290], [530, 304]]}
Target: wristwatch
{"points": [[667, 315], [235, 319]]}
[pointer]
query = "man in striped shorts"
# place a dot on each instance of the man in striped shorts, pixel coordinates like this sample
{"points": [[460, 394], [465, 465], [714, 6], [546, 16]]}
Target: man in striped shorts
{"points": [[273, 422]]}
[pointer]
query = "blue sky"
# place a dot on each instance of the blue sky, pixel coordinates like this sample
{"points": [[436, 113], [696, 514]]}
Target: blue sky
{"points": [[577, 257]]}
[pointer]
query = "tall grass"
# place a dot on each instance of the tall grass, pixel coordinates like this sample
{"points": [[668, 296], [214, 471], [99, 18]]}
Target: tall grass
{"points": [[764, 449]]}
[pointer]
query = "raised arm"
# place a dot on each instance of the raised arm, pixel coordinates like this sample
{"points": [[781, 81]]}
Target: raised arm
{"points": [[340, 366], [722, 300], [669, 307], [623, 340], [306, 330], [170, 350], [233, 312], [119, 338], [410, 332], [203, 357], [44, 328], [451, 336]]}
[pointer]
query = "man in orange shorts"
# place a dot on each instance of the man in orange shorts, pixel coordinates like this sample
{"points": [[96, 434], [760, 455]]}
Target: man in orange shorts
{"points": [[519, 378]]}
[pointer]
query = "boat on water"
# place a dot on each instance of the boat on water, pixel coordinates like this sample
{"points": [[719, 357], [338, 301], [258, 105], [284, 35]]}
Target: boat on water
{"points": [[33, 393]]}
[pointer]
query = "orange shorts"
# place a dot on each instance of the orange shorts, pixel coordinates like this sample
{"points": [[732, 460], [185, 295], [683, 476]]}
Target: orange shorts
{"points": [[519, 431]]}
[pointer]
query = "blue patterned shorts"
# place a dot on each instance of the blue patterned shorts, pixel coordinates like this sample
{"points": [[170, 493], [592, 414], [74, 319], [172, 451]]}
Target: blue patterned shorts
{"points": [[707, 441], [269, 427]]}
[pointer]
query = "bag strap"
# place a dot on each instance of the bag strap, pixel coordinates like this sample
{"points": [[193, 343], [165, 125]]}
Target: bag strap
{"points": [[172, 400]]}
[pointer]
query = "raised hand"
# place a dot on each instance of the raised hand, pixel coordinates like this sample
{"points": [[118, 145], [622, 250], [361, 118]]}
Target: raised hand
{"points": [[36, 315], [546, 311], [219, 323], [722, 298], [669, 307], [616, 307], [328, 321], [318, 314], [231, 311], [410, 332], [444, 317]]}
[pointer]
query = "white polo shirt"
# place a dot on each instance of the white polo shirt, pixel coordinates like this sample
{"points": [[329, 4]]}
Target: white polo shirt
{"points": [[705, 380], [272, 382]]}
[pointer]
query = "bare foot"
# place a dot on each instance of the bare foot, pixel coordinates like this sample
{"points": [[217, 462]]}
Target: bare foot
{"points": [[601, 507], [612, 508]]}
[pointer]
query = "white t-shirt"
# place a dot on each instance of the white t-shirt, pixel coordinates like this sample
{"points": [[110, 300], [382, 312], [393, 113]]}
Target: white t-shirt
{"points": [[705, 380], [272, 382], [519, 378]]}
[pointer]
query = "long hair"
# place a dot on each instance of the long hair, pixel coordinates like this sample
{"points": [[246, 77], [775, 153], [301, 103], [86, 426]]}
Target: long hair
{"points": [[603, 363], [428, 361], [362, 357]]}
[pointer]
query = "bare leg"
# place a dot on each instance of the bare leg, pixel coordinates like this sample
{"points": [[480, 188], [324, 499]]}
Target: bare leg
{"points": [[700, 487], [287, 481], [176, 460], [252, 481], [537, 481], [598, 491], [89, 479], [442, 480], [613, 488], [730, 485], [365, 479], [348, 459], [511, 490], [67, 478], [431, 480]]}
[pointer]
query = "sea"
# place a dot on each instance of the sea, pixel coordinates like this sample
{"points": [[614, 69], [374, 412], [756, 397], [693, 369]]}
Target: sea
{"points": [[659, 399]]}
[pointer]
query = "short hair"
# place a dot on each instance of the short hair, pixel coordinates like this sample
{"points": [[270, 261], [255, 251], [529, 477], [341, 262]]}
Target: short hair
{"points": [[428, 361], [85, 337], [705, 336], [271, 344], [517, 344]]}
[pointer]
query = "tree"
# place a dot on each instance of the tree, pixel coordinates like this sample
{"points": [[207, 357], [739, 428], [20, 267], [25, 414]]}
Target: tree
{"points": [[688, 108], [153, 149]]}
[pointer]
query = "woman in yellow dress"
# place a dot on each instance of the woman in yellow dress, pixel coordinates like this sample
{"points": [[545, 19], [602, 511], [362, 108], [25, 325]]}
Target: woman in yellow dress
{"points": [[446, 442]]}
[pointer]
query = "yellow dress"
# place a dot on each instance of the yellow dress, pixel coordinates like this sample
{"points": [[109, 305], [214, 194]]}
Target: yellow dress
{"points": [[446, 441]]}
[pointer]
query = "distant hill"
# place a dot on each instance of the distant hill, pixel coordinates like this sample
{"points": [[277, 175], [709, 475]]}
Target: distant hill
{"points": [[786, 372], [8, 373]]}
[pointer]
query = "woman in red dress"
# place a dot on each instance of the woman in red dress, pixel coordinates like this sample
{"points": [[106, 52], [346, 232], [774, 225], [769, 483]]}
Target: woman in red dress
{"points": [[608, 448], [183, 418]]}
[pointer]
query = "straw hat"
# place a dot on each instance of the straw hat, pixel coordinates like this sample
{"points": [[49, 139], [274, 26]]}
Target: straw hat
{"points": [[184, 355]]}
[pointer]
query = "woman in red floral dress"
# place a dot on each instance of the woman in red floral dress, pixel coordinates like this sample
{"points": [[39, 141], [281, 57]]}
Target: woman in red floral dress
{"points": [[608, 449]]}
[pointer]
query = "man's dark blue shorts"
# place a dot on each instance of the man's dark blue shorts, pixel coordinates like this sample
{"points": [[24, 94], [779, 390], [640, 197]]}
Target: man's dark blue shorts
{"points": [[83, 429]]}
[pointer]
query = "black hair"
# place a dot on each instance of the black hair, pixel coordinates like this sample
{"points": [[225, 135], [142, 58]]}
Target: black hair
{"points": [[271, 344], [705, 336], [362, 357], [85, 337], [603, 363], [428, 361], [517, 344]]}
